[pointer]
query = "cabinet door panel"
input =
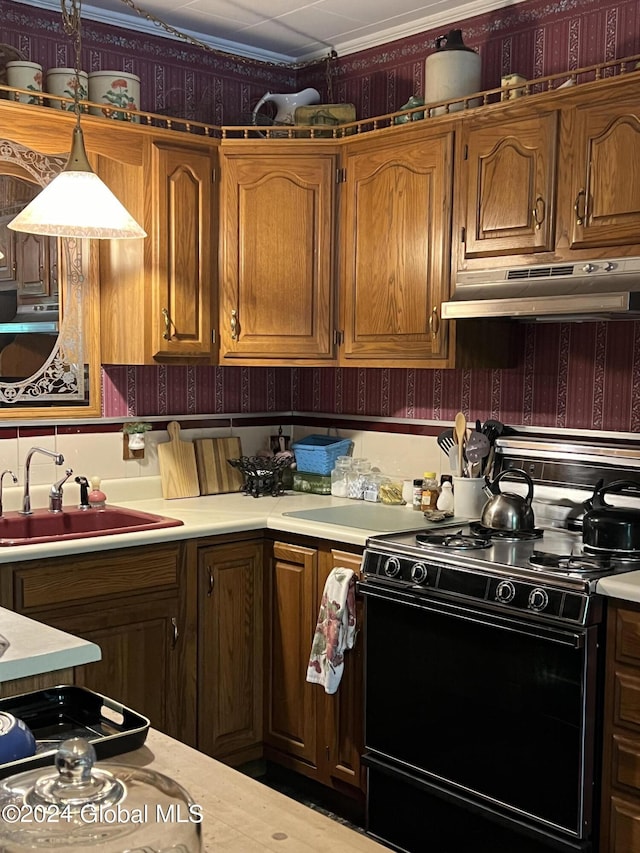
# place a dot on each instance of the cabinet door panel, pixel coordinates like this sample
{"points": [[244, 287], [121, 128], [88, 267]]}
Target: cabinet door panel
{"points": [[291, 612], [507, 186], [396, 248], [343, 719], [139, 665], [606, 187], [277, 245], [183, 268], [230, 642], [624, 826]]}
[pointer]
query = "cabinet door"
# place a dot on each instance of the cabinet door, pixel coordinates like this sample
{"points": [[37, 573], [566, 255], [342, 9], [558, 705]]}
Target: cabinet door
{"points": [[139, 606], [7, 250], [230, 642], [36, 265], [506, 186], [184, 235], [342, 717], [395, 254], [140, 664], [291, 616], [624, 826], [277, 300], [604, 202]]}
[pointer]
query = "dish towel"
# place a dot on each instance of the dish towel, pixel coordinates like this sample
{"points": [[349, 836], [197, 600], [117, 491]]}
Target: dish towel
{"points": [[335, 631]]}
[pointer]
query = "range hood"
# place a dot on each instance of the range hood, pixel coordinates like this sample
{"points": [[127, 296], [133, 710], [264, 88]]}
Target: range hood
{"points": [[586, 290]]}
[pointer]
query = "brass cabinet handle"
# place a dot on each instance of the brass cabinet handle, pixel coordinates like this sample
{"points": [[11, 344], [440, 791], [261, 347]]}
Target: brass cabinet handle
{"points": [[176, 634], [539, 212], [580, 217], [234, 325], [434, 322], [167, 325], [211, 582]]}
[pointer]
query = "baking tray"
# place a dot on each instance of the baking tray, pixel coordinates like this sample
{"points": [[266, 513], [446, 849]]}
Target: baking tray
{"points": [[66, 711]]}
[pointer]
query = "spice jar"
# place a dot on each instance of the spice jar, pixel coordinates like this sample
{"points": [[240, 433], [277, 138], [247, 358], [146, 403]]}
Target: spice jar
{"points": [[429, 492]]}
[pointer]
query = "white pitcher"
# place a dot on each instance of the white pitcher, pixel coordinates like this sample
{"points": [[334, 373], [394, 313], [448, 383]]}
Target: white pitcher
{"points": [[287, 104]]}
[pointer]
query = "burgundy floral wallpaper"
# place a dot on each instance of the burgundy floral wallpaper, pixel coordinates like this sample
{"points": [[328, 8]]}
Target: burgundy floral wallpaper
{"points": [[570, 375]]}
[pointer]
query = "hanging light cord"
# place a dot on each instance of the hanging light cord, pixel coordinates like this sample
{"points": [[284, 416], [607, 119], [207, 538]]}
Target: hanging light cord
{"points": [[71, 26], [148, 16]]}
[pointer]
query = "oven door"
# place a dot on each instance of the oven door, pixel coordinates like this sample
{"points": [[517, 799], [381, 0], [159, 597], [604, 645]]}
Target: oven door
{"points": [[497, 711]]}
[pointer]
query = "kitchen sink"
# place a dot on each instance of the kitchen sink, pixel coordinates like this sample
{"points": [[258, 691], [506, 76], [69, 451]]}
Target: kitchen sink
{"points": [[44, 526]]}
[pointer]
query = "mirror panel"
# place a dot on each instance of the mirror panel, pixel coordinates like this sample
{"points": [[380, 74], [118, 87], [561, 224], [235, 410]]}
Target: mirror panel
{"points": [[46, 292]]}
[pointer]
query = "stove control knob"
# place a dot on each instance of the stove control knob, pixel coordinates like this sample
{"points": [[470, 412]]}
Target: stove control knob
{"points": [[392, 567], [538, 599], [419, 573], [505, 592]]}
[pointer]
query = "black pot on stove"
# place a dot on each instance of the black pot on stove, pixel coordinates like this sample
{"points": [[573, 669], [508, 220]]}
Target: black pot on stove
{"points": [[612, 529]]}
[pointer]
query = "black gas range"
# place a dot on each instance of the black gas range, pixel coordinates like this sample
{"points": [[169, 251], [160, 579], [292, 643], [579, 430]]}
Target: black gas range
{"points": [[544, 574], [484, 667]]}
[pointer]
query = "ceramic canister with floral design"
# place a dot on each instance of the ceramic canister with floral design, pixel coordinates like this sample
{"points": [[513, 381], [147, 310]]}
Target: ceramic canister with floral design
{"points": [[25, 75], [65, 83], [118, 91]]}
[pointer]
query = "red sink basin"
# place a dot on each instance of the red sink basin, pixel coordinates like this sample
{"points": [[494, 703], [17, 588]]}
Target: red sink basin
{"points": [[45, 526]]}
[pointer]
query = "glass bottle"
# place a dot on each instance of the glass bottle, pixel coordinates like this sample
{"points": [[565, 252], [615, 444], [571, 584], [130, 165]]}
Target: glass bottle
{"points": [[340, 475], [429, 491]]}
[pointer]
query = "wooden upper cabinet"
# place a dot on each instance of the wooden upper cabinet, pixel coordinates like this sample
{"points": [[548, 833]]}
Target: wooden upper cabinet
{"points": [[277, 244], [158, 295], [603, 203], [182, 254], [506, 185], [395, 247]]}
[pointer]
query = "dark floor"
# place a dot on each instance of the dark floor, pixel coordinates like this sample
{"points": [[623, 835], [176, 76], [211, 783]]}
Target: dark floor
{"points": [[339, 808]]}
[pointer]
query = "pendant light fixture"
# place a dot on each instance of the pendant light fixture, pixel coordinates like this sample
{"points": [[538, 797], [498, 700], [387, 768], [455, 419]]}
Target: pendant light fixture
{"points": [[77, 203]]}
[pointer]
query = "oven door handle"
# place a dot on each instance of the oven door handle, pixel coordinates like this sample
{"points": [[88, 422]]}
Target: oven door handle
{"points": [[561, 637]]}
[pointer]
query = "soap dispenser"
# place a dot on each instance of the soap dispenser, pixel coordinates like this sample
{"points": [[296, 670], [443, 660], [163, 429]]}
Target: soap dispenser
{"points": [[97, 498]]}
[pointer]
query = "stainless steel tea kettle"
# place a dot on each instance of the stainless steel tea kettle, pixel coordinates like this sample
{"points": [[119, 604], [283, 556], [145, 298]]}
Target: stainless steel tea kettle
{"points": [[505, 510]]}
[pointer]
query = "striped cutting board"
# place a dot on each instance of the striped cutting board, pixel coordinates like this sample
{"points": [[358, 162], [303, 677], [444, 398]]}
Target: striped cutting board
{"points": [[215, 474]]}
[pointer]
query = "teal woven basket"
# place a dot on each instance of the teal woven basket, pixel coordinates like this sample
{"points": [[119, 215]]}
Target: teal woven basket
{"points": [[317, 454]]}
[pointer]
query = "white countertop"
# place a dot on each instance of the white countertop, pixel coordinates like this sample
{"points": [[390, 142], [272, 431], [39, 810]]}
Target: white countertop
{"points": [[35, 648], [241, 814], [215, 515], [626, 586], [211, 515]]}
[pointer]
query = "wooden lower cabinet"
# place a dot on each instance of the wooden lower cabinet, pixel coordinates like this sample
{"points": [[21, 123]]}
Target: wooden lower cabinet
{"points": [[307, 730], [620, 821], [230, 607], [139, 606]]}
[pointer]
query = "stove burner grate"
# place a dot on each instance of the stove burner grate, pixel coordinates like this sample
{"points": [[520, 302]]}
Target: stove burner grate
{"points": [[459, 541], [505, 535], [569, 562]]}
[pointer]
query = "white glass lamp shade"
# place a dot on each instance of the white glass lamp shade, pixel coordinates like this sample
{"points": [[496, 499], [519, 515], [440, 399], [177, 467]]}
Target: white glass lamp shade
{"points": [[77, 203]]}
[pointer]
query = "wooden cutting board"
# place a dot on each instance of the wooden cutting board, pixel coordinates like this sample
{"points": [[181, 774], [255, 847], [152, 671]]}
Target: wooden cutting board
{"points": [[177, 460], [216, 475]]}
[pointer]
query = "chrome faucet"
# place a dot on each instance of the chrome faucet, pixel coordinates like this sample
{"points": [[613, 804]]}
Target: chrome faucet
{"points": [[55, 495], [15, 480], [58, 458]]}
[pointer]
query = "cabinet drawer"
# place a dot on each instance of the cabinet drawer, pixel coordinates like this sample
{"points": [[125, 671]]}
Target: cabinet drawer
{"points": [[624, 825], [625, 762], [67, 580], [626, 709], [628, 636]]}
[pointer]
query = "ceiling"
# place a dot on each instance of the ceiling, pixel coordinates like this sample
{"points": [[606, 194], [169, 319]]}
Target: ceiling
{"points": [[287, 31]]}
